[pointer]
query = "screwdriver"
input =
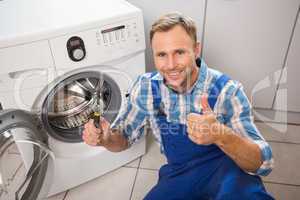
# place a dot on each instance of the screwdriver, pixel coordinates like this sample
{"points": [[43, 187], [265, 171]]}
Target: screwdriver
{"points": [[97, 113]]}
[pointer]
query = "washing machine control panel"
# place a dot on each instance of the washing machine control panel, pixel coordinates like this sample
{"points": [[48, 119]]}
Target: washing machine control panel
{"points": [[120, 33], [100, 44], [76, 49]]}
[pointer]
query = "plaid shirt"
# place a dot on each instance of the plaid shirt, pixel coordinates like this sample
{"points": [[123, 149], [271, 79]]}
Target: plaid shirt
{"points": [[232, 109]]}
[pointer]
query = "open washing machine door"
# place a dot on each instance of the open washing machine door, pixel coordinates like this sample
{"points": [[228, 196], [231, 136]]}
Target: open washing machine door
{"points": [[26, 162]]}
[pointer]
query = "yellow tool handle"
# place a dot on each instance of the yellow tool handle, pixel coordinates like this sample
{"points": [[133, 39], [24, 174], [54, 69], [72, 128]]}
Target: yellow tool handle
{"points": [[96, 118]]}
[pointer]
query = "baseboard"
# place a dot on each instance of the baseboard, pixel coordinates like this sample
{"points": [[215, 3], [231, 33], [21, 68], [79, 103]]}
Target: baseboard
{"points": [[276, 116]]}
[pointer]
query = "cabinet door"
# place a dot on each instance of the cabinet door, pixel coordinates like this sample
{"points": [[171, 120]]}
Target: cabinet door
{"points": [[248, 40], [153, 9], [288, 94]]}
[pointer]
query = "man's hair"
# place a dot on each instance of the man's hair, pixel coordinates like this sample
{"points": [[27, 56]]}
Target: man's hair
{"points": [[170, 20]]}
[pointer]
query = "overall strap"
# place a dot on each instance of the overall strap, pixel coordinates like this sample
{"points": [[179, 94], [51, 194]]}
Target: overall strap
{"points": [[155, 92], [216, 90]]}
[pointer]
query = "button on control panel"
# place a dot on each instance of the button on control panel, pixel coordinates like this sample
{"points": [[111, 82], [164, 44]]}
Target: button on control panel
{"points": [[114, 35]]}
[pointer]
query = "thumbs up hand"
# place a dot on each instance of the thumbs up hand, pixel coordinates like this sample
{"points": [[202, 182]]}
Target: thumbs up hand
{"points": [[203, 128]]}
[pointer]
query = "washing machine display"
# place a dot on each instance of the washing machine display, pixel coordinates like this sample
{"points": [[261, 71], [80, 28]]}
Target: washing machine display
{"points": [[116, 33]]}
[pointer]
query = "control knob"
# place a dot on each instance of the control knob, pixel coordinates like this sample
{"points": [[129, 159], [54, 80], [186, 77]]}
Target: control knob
{"points": [[76, 49]]}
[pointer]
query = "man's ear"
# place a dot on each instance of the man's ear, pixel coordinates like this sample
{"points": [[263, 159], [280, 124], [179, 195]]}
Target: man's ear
{"points": [[198, 49]]}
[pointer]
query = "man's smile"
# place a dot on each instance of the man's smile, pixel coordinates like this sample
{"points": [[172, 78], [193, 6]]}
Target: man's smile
{"points": [[174, 74]]}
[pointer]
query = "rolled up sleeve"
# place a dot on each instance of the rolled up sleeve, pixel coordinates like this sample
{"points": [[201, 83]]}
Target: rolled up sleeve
{"points": [[239, 117], [134, 115]]}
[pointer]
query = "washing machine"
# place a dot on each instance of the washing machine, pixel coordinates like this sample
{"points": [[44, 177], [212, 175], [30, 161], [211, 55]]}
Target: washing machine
{"points": [[60, 62]]}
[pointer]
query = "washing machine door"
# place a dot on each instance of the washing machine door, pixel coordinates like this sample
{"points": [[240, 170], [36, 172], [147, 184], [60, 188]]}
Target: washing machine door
{"points": [[26, 162]]}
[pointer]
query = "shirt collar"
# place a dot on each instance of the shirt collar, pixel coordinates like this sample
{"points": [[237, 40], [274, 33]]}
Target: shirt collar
{"points": [[158, 77], [202, 74]]}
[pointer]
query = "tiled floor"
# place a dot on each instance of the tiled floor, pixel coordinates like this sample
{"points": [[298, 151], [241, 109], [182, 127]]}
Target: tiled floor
{"points": [[134, 180], [130, 182]]}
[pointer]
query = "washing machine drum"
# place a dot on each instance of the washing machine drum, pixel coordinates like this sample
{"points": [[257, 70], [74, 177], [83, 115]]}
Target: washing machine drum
{"points": [[73, 101]]}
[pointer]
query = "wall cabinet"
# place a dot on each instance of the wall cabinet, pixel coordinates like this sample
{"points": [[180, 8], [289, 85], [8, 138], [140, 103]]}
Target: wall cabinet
{"points": [[248, 40]]}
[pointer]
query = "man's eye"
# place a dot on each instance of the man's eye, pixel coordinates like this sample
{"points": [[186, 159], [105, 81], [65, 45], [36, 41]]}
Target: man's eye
{"points": [[180, 52], [161, 54]]}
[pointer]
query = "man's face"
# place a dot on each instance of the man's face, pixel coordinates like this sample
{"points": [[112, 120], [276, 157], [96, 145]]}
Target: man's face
{"points": [[174, 54]]}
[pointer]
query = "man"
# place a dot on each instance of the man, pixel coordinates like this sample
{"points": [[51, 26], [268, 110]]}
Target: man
{"points": [[201, 118]]}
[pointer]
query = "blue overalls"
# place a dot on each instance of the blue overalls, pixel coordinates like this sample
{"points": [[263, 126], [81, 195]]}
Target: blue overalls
{"points": [[199, 172]]}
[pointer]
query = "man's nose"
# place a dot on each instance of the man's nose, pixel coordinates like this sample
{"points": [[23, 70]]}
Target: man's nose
{"points": [[171, 63]]}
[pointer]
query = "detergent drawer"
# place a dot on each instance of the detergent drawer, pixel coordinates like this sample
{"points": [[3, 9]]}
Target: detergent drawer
{"points": [[35, 55]]}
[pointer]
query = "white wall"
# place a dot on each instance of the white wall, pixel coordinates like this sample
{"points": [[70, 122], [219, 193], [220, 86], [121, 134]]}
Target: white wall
{"points": [[153, 9]]}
